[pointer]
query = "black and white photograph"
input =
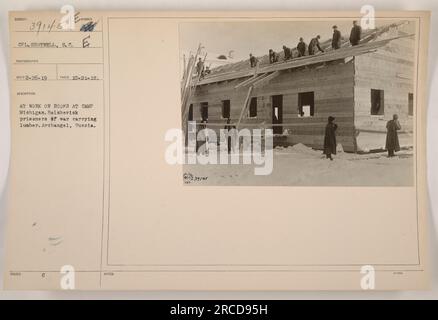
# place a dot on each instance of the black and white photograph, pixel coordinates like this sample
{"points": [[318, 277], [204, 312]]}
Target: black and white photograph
{"points": [[299, 103], [268, 152]]}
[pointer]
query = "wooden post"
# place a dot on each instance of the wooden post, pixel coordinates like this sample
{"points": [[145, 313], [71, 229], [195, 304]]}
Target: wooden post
{"points": [[245, 106], [189, 88]]}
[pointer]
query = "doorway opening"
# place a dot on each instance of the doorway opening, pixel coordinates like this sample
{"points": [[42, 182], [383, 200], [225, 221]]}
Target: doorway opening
{"points": [[277, 114]]}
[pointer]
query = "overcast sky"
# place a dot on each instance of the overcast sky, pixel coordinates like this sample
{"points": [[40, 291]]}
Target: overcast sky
{"points": [[256, 37]]}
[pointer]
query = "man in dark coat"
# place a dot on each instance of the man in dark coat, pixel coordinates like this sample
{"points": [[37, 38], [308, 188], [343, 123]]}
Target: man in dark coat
{"points": [[392, 143], [273, 56], [355, 34], [336, 40], [200, 67], [301, 48], [314, 44], [287, 53], [252, 61], [330, 138]]}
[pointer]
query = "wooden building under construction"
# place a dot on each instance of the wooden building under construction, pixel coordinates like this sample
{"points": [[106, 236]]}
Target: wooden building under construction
{"points": [[361, 86]]}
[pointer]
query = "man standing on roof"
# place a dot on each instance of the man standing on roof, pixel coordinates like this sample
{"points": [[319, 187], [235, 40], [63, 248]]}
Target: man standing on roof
{"points": [[252, 61], [287, 53], [314, 44], [200, 67], [301, 48], [355, 34], [336, 40], [273, 56]]}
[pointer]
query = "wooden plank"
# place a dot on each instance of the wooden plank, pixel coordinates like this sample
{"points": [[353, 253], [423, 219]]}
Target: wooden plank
{"points": [[250, 80], [245, 82], [245, 106], [263, 81]]}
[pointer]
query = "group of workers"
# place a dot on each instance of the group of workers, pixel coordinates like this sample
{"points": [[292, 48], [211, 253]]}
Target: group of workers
{"points": [[313, 47]]}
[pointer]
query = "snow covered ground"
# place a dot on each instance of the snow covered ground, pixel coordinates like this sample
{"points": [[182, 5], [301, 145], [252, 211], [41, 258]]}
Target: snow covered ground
{"points": [[302, 166]]}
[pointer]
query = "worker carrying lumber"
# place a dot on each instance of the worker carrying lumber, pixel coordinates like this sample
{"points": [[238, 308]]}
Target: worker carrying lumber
{"points": [[200, 67], [392, 143], [301, 48], [314, 45], [355, 34], [287, 53], [336, 40], [253, 61], [273, 56], [330, 138]]}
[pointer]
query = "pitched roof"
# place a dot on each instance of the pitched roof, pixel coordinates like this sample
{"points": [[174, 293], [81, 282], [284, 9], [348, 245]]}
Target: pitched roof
{"points": [[242, 69]]}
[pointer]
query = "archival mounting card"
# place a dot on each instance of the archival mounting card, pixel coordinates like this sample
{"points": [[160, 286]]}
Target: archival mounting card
{"points": [[217, 151]]}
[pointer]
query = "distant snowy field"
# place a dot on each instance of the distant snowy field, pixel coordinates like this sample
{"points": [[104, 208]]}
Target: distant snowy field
{"points": [[303, 166]]}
